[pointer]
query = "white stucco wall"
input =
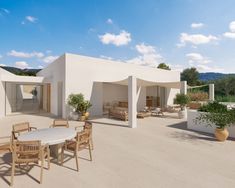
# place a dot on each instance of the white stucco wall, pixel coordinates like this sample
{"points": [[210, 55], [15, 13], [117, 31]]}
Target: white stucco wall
{"points": [[114, 92], [2, 91], [82, 72], [141, 98], [53, 74], [202, 127], [2, 99], [170, 95], [86, 75]]}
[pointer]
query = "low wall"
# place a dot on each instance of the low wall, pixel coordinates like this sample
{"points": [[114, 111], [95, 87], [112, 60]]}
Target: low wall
{"points": [[202, 127]]}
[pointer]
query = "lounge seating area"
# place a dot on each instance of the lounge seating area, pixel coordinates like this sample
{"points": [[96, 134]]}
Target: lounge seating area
{"points": [[119, 110], [32, 146]]}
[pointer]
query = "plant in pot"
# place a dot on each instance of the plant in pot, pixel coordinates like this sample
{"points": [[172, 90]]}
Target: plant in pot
{"points": [[83, 107], [76, 100], [86, 105], [216, 114], [182, 100]]}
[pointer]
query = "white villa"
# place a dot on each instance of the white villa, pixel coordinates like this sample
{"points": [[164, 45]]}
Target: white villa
{"points": [[101, 81]]}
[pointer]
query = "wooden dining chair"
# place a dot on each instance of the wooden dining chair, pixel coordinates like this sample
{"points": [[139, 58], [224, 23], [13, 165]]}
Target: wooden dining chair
{"points": [[81, 141], [87, 125], [19, 128], [25, 152], [5, 144], [60, 123]]}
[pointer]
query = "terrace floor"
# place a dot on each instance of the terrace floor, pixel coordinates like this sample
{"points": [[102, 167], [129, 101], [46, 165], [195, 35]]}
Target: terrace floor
{"points": [[159, 153]]}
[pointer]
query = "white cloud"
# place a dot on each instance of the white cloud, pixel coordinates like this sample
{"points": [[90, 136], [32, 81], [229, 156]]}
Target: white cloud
{"points": [[201, 63], [31, 19], [176, 67], [145, 49], [118, 40], [2, 65], [40, 67], [231, 33], [21, 65], [4, 11], [205, 68], [25, 54], [49, 59], [232, 26], [197, 58], [148, 56], [106, 57], [195, 39], [197, 25], [109, 21]]}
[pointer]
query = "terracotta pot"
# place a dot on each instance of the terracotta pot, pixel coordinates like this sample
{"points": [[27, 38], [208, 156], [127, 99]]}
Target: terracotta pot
{"points": [[82, 118], [221, 134]]}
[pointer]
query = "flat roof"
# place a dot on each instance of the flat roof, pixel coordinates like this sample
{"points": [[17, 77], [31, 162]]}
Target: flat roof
{"points": [[22, 79]]}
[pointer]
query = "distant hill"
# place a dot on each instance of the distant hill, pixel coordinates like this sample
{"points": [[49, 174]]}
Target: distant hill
{"points": [[212, 76], [21, 72]]}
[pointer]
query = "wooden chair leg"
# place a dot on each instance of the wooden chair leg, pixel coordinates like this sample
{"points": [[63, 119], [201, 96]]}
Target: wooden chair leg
{"points": [[92, 145], [48, 159], [41, 173], [76, 157], [90, 152], [12, 172]]}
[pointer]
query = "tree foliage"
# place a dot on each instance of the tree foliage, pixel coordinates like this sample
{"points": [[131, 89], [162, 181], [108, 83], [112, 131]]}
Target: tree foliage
{"points": [[225, 86], [191, 75], [182, 100], [163, 66]]}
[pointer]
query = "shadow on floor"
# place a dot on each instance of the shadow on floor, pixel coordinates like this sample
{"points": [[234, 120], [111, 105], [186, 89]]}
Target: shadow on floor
{"points": [[190, 134], [109, 121], [5, 169]]}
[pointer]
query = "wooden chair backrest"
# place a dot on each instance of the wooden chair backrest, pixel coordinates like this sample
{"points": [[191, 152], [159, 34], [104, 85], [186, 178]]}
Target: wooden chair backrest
{"points": [[20, 128], [88, 125], [60, 123], [26, 151], [83, 137]]}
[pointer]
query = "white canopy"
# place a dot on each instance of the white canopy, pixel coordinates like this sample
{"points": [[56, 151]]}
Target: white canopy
{"points": [[140, 82]]}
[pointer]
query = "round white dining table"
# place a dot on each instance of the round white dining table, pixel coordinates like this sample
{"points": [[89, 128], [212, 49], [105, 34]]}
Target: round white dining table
{"points": [[50, 136]]}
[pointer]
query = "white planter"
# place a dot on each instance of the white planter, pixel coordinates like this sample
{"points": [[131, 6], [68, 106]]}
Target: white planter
{"points": [[75, 116], [181, 114], [203, 127]]}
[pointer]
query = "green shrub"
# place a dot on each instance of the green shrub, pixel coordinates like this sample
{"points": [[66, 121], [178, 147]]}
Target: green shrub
{"points": [[182, 100], [76, 100], [214, 106], [217, 114], [223, 98]]}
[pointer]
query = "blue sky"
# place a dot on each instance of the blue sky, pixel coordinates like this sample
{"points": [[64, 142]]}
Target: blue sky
{"points": [[181, 33]]}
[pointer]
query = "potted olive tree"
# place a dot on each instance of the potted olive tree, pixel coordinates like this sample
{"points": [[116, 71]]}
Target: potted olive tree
{"points": [[80, 106], [83, 107], [182, 100], [216, 114]]}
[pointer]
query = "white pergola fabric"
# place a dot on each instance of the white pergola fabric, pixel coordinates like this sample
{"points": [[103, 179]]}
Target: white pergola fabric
{"points": [[140, 82]]}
